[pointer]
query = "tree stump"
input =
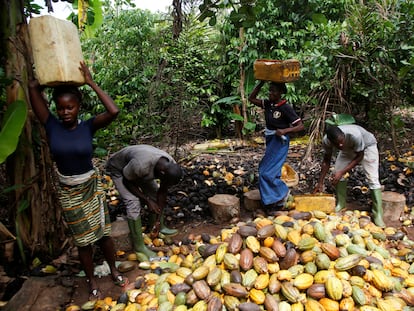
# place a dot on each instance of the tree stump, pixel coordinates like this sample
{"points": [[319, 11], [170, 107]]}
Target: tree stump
{"points": [[120, 235], [252, 200], [393, 205], [224, 207]]}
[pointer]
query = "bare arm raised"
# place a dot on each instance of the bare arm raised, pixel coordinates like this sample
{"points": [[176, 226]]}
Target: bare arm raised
{"points": [[253, 96], [38, 101], [104, 118]]}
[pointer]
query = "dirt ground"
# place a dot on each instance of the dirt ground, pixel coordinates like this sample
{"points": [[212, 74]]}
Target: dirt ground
{"points": [[57, 291]]}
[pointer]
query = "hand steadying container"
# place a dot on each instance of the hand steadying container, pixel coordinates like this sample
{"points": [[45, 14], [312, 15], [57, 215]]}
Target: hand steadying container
{"points": [[56, 50]]}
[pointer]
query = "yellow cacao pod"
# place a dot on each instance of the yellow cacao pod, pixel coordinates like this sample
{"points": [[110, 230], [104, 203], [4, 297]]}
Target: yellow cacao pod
{"points": [[284, 275], [200, 273], [253, 244], [303, 281], [368, 308], [323, 275], [409, 281], [263, 222], [294, 236], [220, 252], [399, 272], [200, 306], [307, 256], [214, 276], [173, 279], [230, 261], [329, 304], [257, 296], [334, 288], [183, 272], [262, 281], [347, 304], [231, 302], [268, 242], [382, 281], [313, 305], [281, 232]]}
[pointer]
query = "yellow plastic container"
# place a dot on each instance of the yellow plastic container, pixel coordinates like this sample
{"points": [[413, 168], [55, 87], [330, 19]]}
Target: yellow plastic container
{"points": [[312, 202], [56, 51], [277, 70]]}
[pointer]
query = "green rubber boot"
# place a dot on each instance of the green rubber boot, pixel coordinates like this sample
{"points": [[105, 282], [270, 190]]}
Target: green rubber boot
{"points": [[135, 229], [377, 211], [163, 228], [340, 195]]}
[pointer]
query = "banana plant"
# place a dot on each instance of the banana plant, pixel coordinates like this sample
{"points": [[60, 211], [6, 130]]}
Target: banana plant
{"points": [[340, 119], [12, 126]]}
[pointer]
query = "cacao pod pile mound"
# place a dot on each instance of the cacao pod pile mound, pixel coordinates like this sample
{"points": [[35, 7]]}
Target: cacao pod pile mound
{"points": [[293, 261]]}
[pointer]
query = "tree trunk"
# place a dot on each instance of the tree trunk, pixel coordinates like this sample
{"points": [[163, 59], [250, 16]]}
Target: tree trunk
{"points": [[178, 18], [236, 109], [33, 213]]}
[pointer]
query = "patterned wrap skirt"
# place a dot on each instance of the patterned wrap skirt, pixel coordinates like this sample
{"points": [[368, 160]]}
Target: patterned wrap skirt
{"points": [[84, 207]]}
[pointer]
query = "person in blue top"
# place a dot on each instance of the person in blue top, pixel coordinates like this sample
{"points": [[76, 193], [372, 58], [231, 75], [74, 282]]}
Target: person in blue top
{"points": [[281, 120], [80, 189]]}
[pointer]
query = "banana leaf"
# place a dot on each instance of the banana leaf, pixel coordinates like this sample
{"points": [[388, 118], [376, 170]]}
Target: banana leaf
{"points": [[340, 119], [13, 122]]}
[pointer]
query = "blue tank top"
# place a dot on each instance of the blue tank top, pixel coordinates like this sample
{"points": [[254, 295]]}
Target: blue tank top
{"points": [[72, 150]]}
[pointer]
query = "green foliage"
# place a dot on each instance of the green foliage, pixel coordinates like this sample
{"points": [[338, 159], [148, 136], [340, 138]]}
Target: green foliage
{"points": [[12, 125], [340, 119], [383, 58], [122, 65], [355, 57], [242, 14], [221, 114]]}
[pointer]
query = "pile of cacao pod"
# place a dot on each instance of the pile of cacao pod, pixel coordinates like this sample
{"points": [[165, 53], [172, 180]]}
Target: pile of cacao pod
{"points": [[291, 262]]}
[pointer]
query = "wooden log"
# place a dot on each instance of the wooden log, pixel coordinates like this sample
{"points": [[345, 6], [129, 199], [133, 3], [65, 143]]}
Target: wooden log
{"points": [[224, 207], [252, 200], [393, 204]]}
